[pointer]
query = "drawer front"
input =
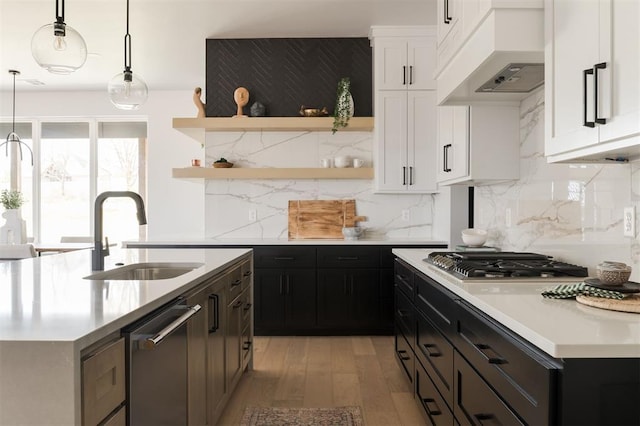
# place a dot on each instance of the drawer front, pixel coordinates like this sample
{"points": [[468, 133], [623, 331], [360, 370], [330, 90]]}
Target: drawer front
{"points": [[433, 405], [403, 278], [405, 355], [348, 257], [436, 354], [246, 273], [523, 377], [475, 402], [234, 278], [436, 303], [284, 257], [103, 382], [405, 316], [119, 418]]}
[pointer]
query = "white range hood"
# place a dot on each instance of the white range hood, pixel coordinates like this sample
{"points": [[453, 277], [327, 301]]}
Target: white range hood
{"points": [[501, 60]]}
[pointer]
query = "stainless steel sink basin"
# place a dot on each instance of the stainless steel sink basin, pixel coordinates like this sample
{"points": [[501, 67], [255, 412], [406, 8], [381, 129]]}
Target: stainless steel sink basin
{"points": [[145, 271]]}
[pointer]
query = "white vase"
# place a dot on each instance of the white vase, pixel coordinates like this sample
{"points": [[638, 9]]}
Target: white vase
{"points": [[14, 230], [351, 106]]}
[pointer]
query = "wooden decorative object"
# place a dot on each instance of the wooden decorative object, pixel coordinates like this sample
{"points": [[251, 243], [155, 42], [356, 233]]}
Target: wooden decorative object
{"points": [[241, 96], [198, 102], [628, 304], [321, 219]]}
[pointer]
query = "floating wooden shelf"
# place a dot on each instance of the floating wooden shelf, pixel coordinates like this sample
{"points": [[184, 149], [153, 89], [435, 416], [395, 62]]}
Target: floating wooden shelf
{"points": [[197, 127], [273, 173]]}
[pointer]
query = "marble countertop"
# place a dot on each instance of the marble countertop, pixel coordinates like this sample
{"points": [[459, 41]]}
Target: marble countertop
{"points": [[47, 299], [278, 241], [561, 328]]}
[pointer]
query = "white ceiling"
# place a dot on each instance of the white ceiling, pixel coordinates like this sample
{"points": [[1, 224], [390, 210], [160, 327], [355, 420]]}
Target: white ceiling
{"points": [[168, 36]]}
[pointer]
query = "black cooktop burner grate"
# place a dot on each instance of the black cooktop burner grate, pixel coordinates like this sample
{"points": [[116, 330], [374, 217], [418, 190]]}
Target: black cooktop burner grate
{"points": [[503, 265]]}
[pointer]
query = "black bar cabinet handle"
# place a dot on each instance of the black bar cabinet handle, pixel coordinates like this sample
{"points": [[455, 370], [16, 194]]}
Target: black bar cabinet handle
{"points": [[483, 417], [447, 20], [404, 75], [483, 348], [288, 284], [432, 350], [410, 74], [446, 158], [404, 175], [402, 356], [586, 123], [597, 67], [214, 301], [431, 411], [284, 258], [348, 257], [281, 284], [410, 175]]}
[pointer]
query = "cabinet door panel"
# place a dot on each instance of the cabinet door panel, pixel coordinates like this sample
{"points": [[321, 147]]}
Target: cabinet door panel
{"points": [[421, 60], [391, 65], [572, 47], [436, 355], [365, 297], [433, 405], [391, 160], [624, 72], [404, 355], [300, 287], [334, 303], [421, 141], [269, 298]]}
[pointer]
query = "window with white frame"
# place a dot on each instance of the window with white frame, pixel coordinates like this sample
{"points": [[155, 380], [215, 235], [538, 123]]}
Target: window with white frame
{"points": [[76, 160]]}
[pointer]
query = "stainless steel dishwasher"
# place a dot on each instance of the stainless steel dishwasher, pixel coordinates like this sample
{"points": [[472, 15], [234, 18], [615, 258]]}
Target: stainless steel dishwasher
{"points": [[156, 348]]}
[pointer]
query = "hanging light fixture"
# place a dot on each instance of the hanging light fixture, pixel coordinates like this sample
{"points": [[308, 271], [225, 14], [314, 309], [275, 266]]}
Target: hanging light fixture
{"points": [[13, 137], [126, 90], [57, 47]]}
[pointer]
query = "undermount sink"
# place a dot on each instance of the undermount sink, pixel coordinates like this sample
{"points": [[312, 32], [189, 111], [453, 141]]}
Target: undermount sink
{"points": [[145, 271]]}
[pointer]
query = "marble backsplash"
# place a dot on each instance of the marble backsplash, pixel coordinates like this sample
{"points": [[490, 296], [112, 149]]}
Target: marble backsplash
{"points": [[229, 203], [571, 211]]}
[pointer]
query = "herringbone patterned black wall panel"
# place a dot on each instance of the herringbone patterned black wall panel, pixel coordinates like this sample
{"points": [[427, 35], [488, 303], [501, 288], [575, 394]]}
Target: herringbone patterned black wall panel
{"points": [[286, 73]]}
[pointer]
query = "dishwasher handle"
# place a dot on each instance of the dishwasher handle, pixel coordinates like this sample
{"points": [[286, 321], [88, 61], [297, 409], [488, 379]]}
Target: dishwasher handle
{"points": [[150, 343]]}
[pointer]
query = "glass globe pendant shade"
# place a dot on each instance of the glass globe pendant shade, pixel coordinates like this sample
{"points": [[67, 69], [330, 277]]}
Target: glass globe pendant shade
{"points": [[58, 48], [127, 90]]}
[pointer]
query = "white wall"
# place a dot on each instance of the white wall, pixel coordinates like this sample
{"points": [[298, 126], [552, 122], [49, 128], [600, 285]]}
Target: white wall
{"points": [[175, 208]]}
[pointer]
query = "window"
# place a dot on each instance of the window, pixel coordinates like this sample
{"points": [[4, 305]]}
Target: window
{"points": [[76, 160]]}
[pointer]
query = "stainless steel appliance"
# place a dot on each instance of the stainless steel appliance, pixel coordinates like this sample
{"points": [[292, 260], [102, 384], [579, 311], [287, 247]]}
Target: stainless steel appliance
{"points": [[497, 265], [156, 348]]}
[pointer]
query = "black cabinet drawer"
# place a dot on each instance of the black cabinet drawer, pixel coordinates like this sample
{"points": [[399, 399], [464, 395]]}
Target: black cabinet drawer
{"points": [[436, 354], [475, 401], [437, 303], [284, 257], [433, 405], [405, 316], [405, 356], [403, 278], [523, 376], [348, 257]]}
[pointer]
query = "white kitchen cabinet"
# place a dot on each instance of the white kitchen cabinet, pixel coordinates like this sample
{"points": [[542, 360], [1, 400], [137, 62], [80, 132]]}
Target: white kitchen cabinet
{"points": [[406, 141], [447, 15], [592, 79], [478, 144], [405, 109], [404, 58]]}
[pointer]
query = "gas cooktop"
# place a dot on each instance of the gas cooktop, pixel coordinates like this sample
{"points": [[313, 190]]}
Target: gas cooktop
{"points": [[493, 265]]}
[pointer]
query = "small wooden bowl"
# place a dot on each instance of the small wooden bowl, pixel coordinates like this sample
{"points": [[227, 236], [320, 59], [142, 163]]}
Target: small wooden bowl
{"points": [[222, 165]]}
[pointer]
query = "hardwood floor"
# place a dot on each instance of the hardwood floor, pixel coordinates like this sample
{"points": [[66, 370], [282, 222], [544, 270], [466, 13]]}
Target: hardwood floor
{"points": [[327, 372]]}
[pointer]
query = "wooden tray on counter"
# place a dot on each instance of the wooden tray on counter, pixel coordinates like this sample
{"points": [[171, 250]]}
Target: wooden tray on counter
{"points": [[630, 303], [321, 219]]}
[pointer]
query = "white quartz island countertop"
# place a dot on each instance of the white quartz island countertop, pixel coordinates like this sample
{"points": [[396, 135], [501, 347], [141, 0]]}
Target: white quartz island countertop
{"points": [[213, 242], [49, 312], [563, 328]]}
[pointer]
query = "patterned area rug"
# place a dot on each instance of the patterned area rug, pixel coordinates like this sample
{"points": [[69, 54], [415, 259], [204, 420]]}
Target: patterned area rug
{"points": [[271, 416]]}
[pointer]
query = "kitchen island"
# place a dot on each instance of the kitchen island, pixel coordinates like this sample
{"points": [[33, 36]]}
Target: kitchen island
{"points": [[496, 349], [49, 313]]}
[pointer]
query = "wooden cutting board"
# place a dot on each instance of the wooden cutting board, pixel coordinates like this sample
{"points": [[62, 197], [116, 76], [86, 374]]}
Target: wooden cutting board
{"points": [[321, 219], [628, 304]]}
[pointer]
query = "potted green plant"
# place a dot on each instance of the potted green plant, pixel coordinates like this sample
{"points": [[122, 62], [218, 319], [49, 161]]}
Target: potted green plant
{"points": [[14, 230], [344, 105], [11, 199]]}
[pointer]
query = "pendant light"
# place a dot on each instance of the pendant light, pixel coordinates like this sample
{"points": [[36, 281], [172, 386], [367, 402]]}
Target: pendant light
{"points": [[13, 137], [126, 90], [57, 47]]}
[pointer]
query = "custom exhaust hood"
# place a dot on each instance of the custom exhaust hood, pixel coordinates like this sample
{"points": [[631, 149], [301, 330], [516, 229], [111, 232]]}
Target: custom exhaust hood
{"points": [[502, 60]]}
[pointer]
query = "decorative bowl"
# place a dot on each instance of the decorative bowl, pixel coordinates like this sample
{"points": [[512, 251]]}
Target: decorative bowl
{"points": [[613, 273], [223, 165], [474, 237], [342, 161], [351, 233], [313, 112]]}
